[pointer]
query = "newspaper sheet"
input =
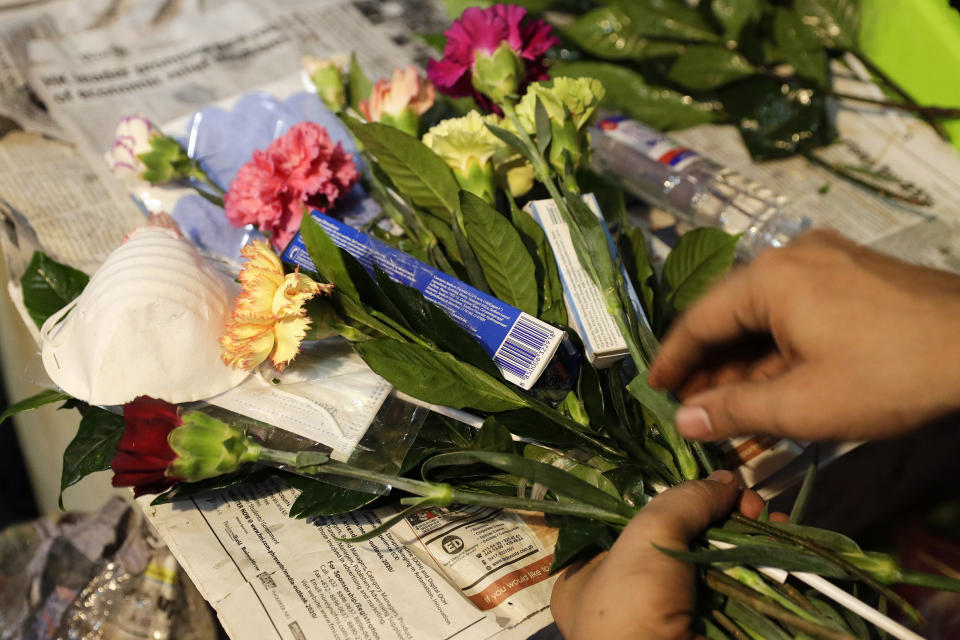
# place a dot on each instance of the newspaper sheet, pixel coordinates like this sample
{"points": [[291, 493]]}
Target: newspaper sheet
{"points": [[53, 197], [904, 153], [22, 22], [92, 79], [272, 577]]}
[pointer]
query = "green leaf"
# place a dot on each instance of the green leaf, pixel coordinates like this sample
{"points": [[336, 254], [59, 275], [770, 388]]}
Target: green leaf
{"points": [[628, 93], [778, 118], [437, 377], [436, 41], [385, 526], [588, 474], [557, 480], [438, 434], [628, 478], [799, 508], [822, 537], [702, 257], [418, 172], [835, 22], [762, 555], [511, 140], [493, 436], [506, 264], [318, 498], [667, 18], [633, 251], [92, 448], [709, 66], [433, 323], [800, 47], [360, 314], [533, 426], [835, 619], [578, 539], [445, 235], [46, 396], [759, 625], [733, 14], [326, 257], [48, 286], [610, 33], [471, 264], [552, 307], [188, 489], [660, 405], [544, 130], [358, 84]]}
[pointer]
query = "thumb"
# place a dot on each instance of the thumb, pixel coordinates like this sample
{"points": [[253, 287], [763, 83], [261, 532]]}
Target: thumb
{"points": [[678, 515], [770, 406]]}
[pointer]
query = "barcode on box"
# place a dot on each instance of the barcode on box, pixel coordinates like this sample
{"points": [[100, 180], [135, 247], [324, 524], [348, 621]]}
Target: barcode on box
{"points": [[522, 351]]}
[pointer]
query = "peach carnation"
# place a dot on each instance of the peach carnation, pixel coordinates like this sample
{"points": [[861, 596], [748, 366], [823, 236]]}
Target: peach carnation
{"points": [[268, 317], [302, 167]]}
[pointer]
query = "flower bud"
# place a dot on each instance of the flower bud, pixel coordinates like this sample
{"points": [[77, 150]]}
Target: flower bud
{"points": [[207, 448], [497, 74], [570, 104], [327, 77], [467, 146], [133, 137], [400, 101]]}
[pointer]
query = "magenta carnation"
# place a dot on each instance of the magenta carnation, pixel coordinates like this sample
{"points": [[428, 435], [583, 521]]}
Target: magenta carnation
{"points": [[303, 166], [484, 30]]}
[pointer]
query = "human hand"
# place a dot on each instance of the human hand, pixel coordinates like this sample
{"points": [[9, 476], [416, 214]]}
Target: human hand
{"points": [[858, 346], [635, 591]]}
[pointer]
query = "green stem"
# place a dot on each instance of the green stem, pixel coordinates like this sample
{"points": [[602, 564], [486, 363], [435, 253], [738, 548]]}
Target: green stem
{"points": [[835, 558], [209, 197], [730, 588], [570, 425], [729, 625], [399, 328], [930, 112], [196, 174], [686, 462], [930, 580], [458, 496], [440, 494], [540, 167]]}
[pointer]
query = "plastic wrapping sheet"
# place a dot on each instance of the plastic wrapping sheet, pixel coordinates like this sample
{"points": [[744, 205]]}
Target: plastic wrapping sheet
{"points": [[222, 139]]}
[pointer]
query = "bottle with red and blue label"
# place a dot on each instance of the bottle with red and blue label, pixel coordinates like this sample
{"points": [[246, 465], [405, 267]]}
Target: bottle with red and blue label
{"points": [[666, 174]]}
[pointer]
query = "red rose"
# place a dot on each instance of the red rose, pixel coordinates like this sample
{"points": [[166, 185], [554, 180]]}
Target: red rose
{"points": [[144, 454]]}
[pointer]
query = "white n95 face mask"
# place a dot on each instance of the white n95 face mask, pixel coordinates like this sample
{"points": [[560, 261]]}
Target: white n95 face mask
{"points": [[147, 323]]}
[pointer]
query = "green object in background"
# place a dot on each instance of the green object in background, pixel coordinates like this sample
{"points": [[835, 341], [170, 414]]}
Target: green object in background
{"points": [[917, 44]]}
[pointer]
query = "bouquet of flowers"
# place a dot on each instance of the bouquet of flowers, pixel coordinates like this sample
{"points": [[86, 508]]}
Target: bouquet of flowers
{"points": [[587, 446]]}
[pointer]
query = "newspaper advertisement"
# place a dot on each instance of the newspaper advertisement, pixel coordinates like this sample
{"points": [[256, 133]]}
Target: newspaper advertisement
{"points": [[269, 576], [90, 80], [499, 560]]}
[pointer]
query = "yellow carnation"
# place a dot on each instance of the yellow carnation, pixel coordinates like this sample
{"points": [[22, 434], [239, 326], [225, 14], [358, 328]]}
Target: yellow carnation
{"points": [[268, 317]]}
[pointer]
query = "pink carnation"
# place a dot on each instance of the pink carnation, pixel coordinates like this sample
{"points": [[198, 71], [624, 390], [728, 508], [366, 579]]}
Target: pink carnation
{"points": [[483, 30], [302, 167]]}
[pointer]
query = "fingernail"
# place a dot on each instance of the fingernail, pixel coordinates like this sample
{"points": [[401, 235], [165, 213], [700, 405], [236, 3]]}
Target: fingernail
{"points": [[694, 423], [722, 476]]}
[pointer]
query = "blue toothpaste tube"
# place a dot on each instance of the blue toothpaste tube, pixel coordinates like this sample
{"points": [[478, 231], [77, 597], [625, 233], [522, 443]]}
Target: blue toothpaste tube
{"points": [[521, 346]]}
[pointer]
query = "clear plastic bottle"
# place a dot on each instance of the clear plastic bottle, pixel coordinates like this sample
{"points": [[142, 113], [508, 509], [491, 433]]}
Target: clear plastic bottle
{"points": [[147, 603], [663, 172]]}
